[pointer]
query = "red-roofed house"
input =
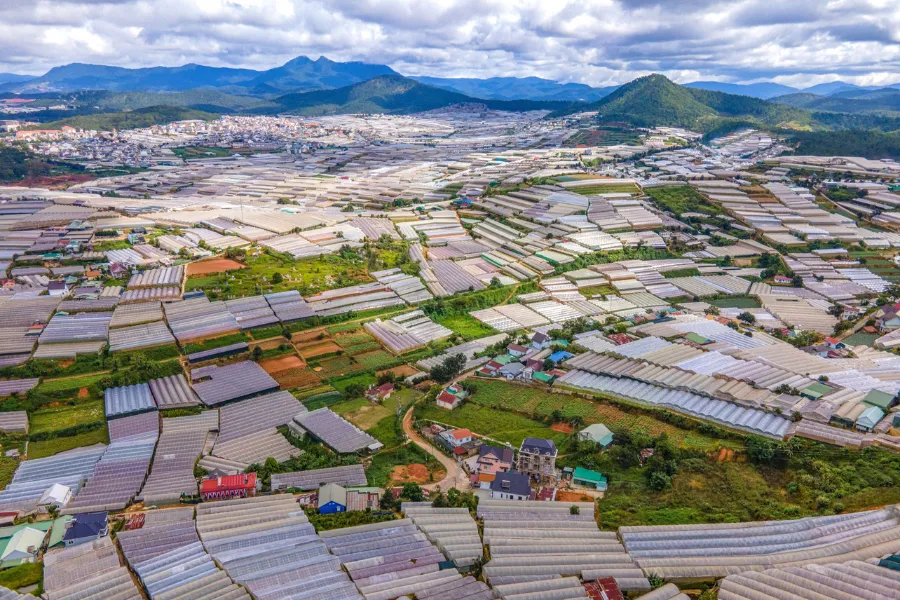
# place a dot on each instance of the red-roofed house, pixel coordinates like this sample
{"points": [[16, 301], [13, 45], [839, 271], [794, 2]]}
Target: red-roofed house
{"points": [[457, 437], [516, 350], [380, 393], [229, 486]]}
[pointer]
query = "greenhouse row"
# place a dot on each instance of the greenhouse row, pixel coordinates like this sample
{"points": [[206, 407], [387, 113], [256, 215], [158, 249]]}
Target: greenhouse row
{"points": [[90, 571], [181, 442], [452, 530], [269, 546], [346, 476]]}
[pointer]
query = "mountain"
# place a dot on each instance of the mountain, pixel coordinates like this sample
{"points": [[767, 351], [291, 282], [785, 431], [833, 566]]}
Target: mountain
{"points": [[13, 78], [846, 101], [838, 87], [763, 90], [519, 88], [393, 94], [144, 117], [655, 100], [299, 74]]}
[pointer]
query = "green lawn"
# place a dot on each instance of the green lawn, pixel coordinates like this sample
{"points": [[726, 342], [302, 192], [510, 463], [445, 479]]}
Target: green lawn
{"points": [[682, 199], [57, 445], [309, 275], [536, 401], [379, 470], [861, 339], [8, 466], [501, 425], [218, 342], [23, 576], [736, 302], [72, 384], [56, 418], [465, 325]]}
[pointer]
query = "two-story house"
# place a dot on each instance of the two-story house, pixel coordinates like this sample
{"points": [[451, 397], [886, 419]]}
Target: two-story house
{"points": [[537, 459]]}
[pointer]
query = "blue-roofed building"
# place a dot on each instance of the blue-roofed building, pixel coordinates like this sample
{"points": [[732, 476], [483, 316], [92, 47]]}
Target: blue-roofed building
{"points": [[559, 356], [597, 433], [511, 486], [86, 527]]}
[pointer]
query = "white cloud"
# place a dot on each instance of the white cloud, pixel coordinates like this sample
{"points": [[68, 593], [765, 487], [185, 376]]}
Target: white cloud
{"points": [[599, 42]]}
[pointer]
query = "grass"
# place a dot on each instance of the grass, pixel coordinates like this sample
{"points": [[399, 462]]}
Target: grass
{"points": [[377, 359], [682, 199], [73, 384], [325, 399], [8, 466], [500, 425], [861, 339], [56, 418], [536, 402], [22, 576], [264, 333], [465, 325], [681, 273], [61, 444], [736, 302], [219, 342], [307, 275], [608, 188], [379, 470]]}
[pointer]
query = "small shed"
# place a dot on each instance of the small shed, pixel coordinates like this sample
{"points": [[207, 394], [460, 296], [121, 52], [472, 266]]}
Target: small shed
{"points": [[597, 433], [588, 478], [869, 418], [816, 391], [332, 499]]}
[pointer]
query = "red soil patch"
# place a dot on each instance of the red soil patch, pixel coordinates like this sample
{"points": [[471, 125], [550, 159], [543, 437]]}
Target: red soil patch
{"points": [[567, 496], [401, 371], [53, 182], [309, 351], [296, 378], [270, 344], [562, 427], [414, 473], [216, 265], [83, 393], [282, 363], [309, 336]]}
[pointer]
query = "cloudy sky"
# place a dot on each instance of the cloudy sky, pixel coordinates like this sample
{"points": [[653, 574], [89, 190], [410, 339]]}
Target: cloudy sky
{"points": [[598, 42]]}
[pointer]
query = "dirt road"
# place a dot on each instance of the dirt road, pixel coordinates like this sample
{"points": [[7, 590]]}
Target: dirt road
{"points": [[456, 476]]}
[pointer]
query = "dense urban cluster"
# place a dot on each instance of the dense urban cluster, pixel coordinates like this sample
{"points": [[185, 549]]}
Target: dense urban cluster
{"points": [[430, 356]]}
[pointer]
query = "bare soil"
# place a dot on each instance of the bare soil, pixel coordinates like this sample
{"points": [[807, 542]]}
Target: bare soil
{"points": [[216, 265]]}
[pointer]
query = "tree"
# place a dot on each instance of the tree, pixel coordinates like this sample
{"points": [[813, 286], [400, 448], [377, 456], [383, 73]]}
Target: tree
{"points": [[797, 281], [449, 369], [277, 278], [547, 364], [257, 353], [712, 310], [412, 492], [659, 481], [354, 390], [747, 317], [574, 510]]}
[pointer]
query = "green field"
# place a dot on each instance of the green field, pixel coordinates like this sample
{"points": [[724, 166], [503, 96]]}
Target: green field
{"points": [[23, 576], [378, 472], [861, 339], [57, 445], [57, 418], [735, 302], [8, 466], [503, 397], [309, 275], [682, 199], [681, 273], [465, 325], [608, 188], [501, 425], [190, 152], [69, 385], [219, 342]]}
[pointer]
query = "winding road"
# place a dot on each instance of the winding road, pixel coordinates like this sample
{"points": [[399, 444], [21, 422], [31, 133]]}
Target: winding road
{"points": [[456, 476]]}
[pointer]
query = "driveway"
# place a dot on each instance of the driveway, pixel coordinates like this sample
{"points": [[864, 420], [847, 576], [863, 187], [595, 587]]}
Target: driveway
{"points": [[456, 476]]}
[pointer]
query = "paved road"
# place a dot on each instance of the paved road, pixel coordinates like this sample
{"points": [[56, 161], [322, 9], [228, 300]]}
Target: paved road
{"points": [[456, 476]]}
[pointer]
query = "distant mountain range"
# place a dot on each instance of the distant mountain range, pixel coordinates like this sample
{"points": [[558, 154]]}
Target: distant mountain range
{"points": [[303, 74], [852, 100]]}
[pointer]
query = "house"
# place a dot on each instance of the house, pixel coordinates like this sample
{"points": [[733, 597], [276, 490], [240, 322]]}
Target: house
{"points": [[363, 498], [512, 370], [492, 460], [597, 433], [781, 279], [834, 343], [589, 479], [540, 341], [332, 499], [239, 485], [55, 497], [380, 393], [516, 350], [890, 319], [816, 391], [57, 288], [455, 438], [869, 418], [23, 547], [511, 486], [451, 397], [559, 356], [537, 458], [86, 527]]}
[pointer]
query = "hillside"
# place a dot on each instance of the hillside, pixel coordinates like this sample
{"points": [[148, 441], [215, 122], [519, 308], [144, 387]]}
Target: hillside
{"points": [[299, 74], [144, 117], [848, 101], [519, 88], [654, 100], [764, 90], [393, 94]]}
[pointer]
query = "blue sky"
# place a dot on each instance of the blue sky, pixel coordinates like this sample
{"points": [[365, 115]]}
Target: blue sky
{"points": [[598, 42]]}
